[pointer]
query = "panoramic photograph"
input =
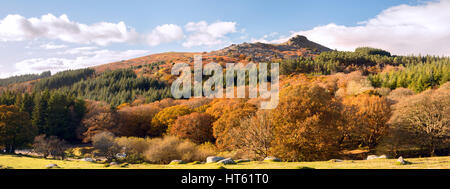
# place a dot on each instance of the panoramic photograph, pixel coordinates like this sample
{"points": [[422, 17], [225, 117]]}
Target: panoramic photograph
{"points": [[217, 86]]}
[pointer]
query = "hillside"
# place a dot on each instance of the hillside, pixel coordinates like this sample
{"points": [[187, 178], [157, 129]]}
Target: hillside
{"points": [[298, 46]]}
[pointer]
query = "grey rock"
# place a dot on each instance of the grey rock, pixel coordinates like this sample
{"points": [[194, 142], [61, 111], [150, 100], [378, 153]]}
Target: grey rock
{"points": [[49, 166], [213, 159], [87, 159], [370, 157], [242, 160], [336, 160], [121, 155], [401, 160], [113, 163], [382, 157], [227, 161], [270, 158]]}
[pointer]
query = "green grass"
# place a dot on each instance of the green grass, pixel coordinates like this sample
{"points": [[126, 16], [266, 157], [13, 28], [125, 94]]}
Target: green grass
{"points": [[22, 162]]}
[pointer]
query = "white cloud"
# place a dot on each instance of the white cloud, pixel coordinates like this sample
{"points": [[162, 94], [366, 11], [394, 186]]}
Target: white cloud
{"points": [[204, 34], [51, 46], [404, 29], [164, 34], [56, 64], [89, 50], [19, 28]]}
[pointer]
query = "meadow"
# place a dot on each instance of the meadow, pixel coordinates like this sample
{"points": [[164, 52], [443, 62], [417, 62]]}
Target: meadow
{"points": [[25, 162]]}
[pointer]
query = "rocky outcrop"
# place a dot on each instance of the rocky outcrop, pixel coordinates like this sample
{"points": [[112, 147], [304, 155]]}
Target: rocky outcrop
{"points": [[300, 41], [262, 52]]}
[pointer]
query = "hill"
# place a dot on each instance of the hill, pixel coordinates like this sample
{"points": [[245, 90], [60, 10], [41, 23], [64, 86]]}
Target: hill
{"points": [[298, 46]]}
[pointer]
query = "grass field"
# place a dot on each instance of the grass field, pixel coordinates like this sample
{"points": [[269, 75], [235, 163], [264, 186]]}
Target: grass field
{"points": [[21, 162]]}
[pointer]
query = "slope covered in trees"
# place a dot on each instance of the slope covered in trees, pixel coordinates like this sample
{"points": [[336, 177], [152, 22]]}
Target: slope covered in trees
{"points": [[418, 77], [65, 78], [367, 60], [118, 87], [23, 78]]}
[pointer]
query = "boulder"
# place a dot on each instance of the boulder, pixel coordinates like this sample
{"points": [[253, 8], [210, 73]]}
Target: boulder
{"points": [[176, 162], [376, 157], [121, 155], [213, 159], [336, 160], [113, 163], [273, 159], [50, 166], [87, 159], [242, 160], [401, 161], [226, 161]]}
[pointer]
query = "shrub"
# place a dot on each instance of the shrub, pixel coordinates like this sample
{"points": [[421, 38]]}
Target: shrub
{"points": [[164, 150], [399, 94], [49, 146], [134, 148], [105, 143]]}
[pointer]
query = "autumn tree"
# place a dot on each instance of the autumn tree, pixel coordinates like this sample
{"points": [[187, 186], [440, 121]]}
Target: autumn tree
{"points": [[166, 117], [137, 120], [306, 124], [15, 128], [255, 134], [369, 123], [230, 118], [197, 127], [99, 118], [427, 115]]}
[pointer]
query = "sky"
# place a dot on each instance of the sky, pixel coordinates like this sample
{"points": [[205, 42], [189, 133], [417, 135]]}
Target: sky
{"points": [[37, 36]]}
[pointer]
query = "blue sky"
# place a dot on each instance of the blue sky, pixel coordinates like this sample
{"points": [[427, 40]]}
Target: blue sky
{"points": [[58, 35]]}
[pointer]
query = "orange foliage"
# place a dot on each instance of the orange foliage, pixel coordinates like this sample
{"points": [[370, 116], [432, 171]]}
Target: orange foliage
{"points": [[197, 127], [369, 118], [306, 124], [165, 118], [229, 114]]}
